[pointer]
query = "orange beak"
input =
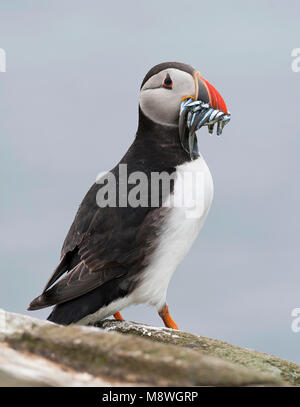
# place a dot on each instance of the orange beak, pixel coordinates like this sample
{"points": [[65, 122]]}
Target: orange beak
{"points": [[208, 93]]}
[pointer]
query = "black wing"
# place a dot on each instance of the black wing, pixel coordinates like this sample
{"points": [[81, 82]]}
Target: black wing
{"points": [[103, 244], [106, 243]]}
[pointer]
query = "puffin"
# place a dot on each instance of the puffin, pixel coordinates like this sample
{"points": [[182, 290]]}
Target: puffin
{"points": [[122, 254]]}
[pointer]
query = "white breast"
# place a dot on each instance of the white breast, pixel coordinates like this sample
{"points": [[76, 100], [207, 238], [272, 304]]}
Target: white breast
{"points": [[192, 197]]}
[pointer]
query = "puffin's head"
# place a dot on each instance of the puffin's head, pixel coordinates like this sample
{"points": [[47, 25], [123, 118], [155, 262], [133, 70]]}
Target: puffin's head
{"points": [[170, 88]]}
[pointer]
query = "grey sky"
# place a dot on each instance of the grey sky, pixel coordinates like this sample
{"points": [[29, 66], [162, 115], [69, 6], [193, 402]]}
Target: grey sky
{"points": [[68, 110]]}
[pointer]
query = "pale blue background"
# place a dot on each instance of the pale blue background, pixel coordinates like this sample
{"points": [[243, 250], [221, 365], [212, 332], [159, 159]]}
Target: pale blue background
{"points": [[68, 110]]}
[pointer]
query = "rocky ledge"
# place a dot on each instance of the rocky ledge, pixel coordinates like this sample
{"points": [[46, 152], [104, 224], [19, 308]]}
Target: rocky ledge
{"points": [[114, 353]]}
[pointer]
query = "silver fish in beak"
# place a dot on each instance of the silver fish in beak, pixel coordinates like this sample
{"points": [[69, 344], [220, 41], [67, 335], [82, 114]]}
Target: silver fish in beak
{"points": [[207, 109]]}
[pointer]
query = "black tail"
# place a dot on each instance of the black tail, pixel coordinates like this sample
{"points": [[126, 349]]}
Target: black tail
{"points": [[74, 310], [37, 303]]}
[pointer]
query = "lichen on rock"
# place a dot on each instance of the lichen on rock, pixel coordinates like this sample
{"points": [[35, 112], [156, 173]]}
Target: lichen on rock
{"points": [[126, 353], [262, 362]]}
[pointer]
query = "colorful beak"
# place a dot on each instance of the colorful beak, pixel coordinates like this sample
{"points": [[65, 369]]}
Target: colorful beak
{"points": [[207, 93]]}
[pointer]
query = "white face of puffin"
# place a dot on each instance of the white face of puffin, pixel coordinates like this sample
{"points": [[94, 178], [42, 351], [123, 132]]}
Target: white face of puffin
{"points": [[161, 95]]}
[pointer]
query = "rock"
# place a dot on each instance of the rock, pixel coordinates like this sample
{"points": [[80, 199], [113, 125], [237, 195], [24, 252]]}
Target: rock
{"points": [[263, 362], [29, 369], [34, 352], [21, 369]]}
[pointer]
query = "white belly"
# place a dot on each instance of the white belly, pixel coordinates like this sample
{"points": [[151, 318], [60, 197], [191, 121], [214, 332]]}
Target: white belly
{"points": [[192, 197], [193, 194]]}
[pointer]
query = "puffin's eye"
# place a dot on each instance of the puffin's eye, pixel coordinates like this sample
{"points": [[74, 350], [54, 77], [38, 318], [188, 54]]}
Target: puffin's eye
{"points": [[168, 83]]}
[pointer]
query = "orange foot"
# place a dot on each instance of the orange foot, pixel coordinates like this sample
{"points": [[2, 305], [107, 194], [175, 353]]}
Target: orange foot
{"points": [[166, 317], [117, 315]]}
